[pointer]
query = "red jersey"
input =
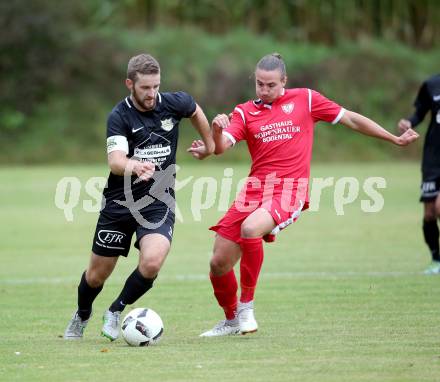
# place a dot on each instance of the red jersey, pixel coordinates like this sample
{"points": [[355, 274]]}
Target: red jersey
{"points": [[280, 136]]}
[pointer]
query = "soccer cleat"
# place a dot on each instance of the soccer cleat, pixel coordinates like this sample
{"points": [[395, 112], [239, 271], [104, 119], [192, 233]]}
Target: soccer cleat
{"points": [[246, 319], [75, 328], [110, 329], [433, 269], [223, 328]]}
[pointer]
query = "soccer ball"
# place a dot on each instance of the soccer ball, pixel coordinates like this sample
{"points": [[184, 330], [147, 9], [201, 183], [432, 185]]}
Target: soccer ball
{"points": [[142, 327]]}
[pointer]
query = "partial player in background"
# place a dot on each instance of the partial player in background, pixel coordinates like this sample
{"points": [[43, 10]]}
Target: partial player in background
{"points": [[142, 134], [428, 99], [278, 129]]}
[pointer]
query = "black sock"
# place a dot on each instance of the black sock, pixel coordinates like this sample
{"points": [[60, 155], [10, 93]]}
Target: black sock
{"points": [[431, 233], [135, 286], [86, 296]]}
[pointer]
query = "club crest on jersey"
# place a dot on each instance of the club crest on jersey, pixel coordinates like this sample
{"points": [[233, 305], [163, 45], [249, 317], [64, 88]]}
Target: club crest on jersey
{"points": [[167, 124], [288, 107]]}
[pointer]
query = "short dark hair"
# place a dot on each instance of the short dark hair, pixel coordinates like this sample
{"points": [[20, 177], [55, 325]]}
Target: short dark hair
{"points": [[272, 61], [143, 64]]}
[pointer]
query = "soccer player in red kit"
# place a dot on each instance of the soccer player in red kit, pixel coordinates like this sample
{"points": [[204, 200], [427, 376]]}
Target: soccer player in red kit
{"points": [[278, 128]]}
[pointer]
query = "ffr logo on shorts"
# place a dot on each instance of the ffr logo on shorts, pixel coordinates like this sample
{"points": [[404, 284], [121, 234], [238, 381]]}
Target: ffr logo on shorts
{"points": [[107, 237]]}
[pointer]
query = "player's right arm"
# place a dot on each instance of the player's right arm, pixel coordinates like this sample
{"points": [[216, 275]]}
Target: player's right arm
{"points": [[117, 151], [121, 165]]}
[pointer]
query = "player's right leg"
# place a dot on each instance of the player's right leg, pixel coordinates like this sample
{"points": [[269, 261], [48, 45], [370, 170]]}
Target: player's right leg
{"points": [[112, 239], [91, 284], [222, 276]]}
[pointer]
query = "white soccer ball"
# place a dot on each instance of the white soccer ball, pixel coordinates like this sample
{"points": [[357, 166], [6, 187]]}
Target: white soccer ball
{"points": [[142, 327]]}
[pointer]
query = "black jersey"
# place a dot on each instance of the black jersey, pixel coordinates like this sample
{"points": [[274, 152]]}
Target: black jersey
{"points": [[428, 99], [148, 136]]}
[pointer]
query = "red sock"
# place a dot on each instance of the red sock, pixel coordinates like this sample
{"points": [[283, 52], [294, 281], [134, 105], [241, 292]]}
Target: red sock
{"points": [[250, 266], [225, 291]]}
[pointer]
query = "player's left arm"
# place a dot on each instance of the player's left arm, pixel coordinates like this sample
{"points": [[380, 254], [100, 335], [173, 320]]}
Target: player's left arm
{"points": [[368, 127], [200, 149], [422, 105]]}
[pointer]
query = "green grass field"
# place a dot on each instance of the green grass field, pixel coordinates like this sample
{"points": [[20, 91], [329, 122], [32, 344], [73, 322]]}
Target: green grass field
{"points": [[341, 298]]}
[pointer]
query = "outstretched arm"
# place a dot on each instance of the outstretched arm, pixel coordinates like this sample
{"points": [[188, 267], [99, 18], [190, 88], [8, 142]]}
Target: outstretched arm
{"points": [[368, 127], [204, 147]]}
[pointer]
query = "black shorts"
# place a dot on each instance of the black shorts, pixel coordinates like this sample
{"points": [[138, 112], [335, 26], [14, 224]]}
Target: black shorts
{"points": [[429, 190], [114, 231]]}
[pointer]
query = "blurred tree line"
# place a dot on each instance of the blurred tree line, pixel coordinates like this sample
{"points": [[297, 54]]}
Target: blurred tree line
{"points": [[412, 22], [62, 63]]}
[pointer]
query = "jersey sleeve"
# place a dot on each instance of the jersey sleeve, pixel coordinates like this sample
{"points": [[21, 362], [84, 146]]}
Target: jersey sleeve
{"points": [[323, 109], [116, 133], [422, 104], [236, 131], [183, 104]]}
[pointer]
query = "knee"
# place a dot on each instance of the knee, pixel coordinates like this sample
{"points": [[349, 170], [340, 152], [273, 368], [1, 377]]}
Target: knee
{"points": [[431, 211], [95, 278], [432, 215], [219, 265], [150, 268], [248, 230]]}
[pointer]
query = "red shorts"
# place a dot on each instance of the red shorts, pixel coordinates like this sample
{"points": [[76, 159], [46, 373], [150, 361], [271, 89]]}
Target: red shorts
{"points": [[229, 225]]}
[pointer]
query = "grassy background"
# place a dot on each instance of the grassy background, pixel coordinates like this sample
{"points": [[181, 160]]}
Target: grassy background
{"points": [[341, 298]]}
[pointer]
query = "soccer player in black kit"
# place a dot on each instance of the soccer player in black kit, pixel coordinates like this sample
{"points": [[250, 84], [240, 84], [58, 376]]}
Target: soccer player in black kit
{"points": [[142, 134], [428, 99]]}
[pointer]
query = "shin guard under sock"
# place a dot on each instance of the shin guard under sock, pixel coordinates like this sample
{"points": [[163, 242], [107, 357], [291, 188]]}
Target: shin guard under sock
{"points": [[86, 296], [431, 234], [225, 291], [135, 287], [250, 266]]}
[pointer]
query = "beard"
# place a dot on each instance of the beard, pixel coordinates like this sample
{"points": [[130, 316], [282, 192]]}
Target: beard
{"points": [[146, 103]]}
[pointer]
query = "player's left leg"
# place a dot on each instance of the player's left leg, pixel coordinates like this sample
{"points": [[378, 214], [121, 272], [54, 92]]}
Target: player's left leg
{"points": [[253, 228], [153, 250], [431, 212], [431, 233]]}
